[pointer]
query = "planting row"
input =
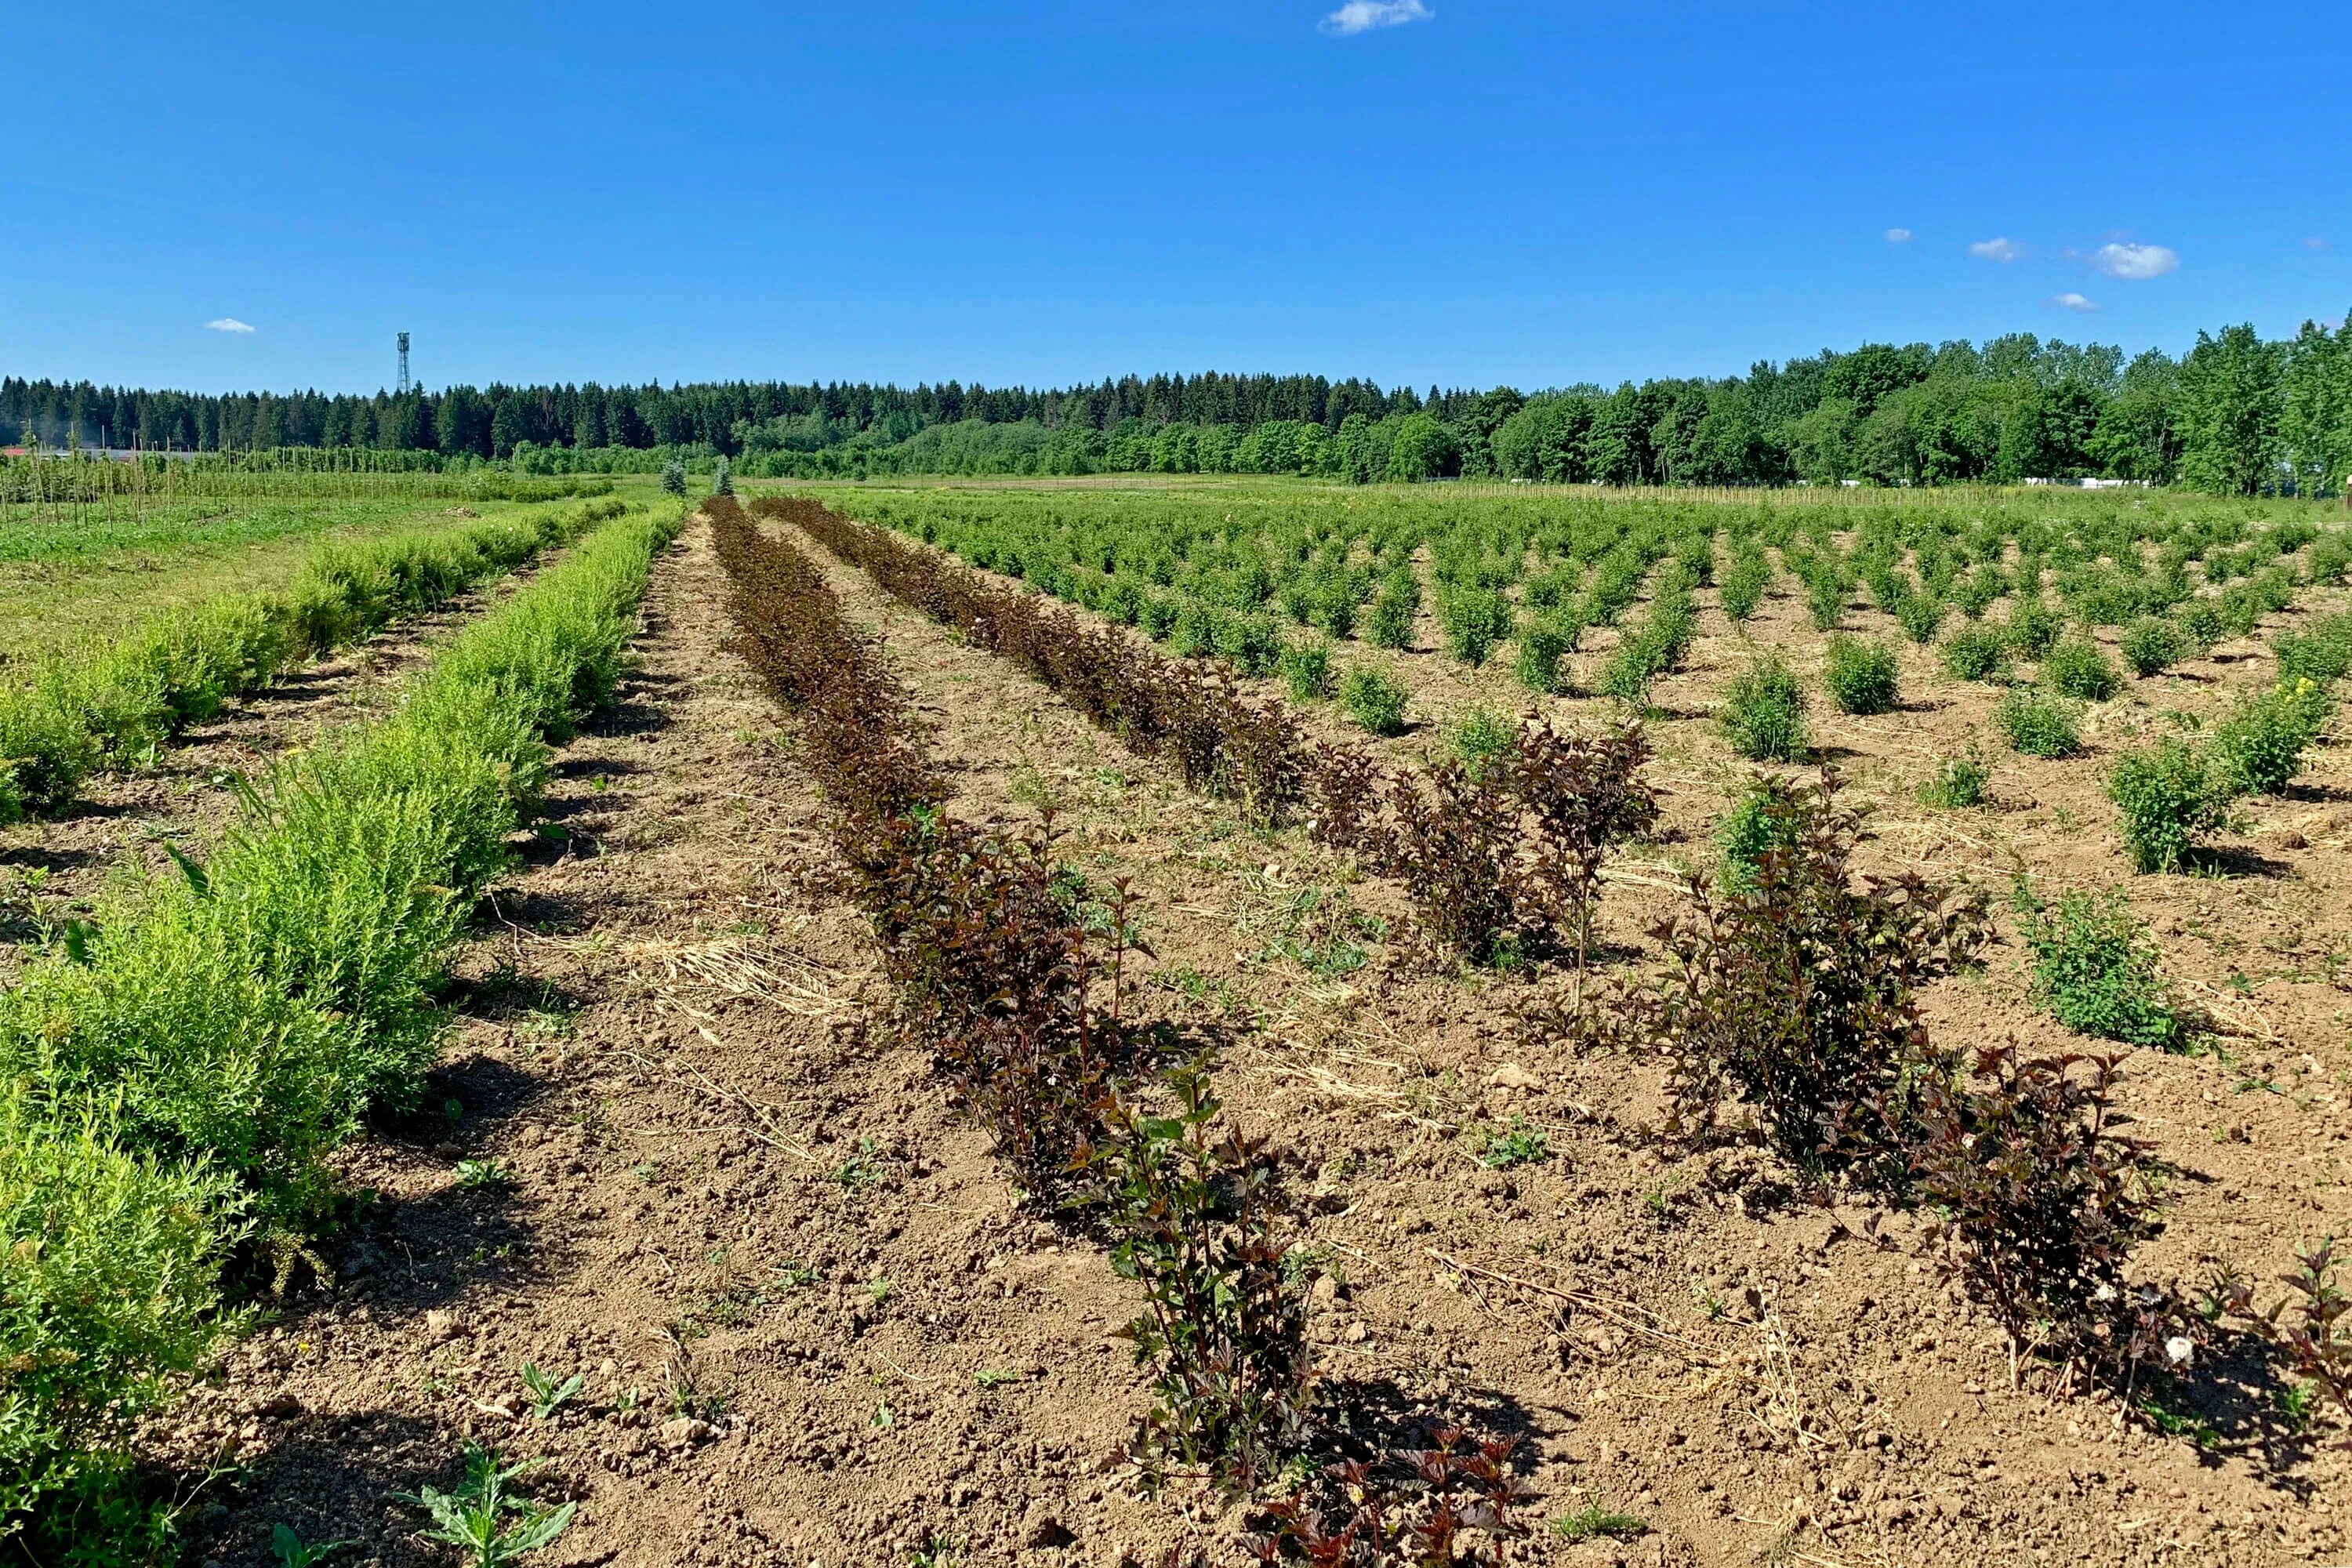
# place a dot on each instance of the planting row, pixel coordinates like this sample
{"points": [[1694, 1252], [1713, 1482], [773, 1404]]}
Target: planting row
{"points": [[1211, 571], [174, 1074], [1501, 854], [82, 709], [1790, 1002]]}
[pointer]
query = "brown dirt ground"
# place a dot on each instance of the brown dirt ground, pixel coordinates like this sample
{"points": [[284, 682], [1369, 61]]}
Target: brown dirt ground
{"points": [[814, 1327]]}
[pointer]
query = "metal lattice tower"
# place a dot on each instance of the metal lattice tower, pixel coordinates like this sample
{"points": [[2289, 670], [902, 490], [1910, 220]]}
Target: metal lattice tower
{"points": [[404, 365]]}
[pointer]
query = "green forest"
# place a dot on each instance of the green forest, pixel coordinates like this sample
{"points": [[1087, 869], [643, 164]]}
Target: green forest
{"points": [[2238, 414]]}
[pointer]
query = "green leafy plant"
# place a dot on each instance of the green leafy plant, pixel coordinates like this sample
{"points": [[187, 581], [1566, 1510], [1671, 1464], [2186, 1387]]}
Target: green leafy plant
{"points": [[1480, 737], [1594, 1523], [1305, 669], [2079, 668], [484, 1519], [1519, 1145], [2172, 797], [2152, 645], [2038, 723], [2258, 745], [475, 1175], [1374, 700], [1960, 783], [1861, 674], [2033, 628], [547, 1395], [1977, 652], [2096, 969], [1921, 615], [1763, 711], [292, 1552]]}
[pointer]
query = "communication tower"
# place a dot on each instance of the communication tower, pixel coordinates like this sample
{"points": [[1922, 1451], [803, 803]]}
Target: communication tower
{"points": [[404, 365]]}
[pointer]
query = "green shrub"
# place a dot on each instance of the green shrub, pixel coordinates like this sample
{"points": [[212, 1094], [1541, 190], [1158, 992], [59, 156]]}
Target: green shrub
{"points": [[2152, 645], [1763, 714], [2171, 795], [1374, 698], [1391, 622], [2323, 655], [1306, 671], [1977, 652], [1758, 823], [107, 1263], [2077, 667], [2259, 744], [1542, 643], [2033, 628], [2200, 623], [1861, 674], [1744, 581], [1478, 737], [2040, 723], [1194, 635], [1960, 782], [2095, 970], [1474, 621], [1826, 595], [1921, 615]]}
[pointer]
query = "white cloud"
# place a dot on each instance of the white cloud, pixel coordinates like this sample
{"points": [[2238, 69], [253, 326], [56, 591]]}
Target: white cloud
{"points": [[1898, 237], [1995, 250], [227, 324], [2134, 263], [2070, 300], [1363, 15]]}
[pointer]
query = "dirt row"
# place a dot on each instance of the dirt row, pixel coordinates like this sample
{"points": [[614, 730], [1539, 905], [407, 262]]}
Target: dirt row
{"points": [[674, 1149]]}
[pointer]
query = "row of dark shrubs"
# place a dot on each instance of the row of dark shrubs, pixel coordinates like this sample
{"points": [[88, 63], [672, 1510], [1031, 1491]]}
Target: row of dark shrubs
{"points": [[1501, 857], [1106, 1118], [177, 1073], [1791, 1003]]}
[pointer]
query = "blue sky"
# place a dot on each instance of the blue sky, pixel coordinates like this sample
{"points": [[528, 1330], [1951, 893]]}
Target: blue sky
{"points": [[1467, 192]]}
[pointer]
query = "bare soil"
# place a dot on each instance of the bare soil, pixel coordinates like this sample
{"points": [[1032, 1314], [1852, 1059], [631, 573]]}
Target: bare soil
{"points": [[814, 1326]]}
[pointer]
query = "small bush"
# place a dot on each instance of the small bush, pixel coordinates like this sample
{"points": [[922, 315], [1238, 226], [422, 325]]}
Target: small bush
{"points": [[1543, 642], [2042, 1201], [2038, 723], [1391, 623], [1306, 671], [1798, 994], [2033, 628], [1478, 737], [1960, 782], [2200, 623], [1758, 822], [2172, 797], [1976, 652], [1921, 615], [2259, 745], [1744, 583], [1375, 700], [2079, 668], [1825, 600], [2095, 969], [2322, 655], [1763, 714], [1860, 675], [2152, 645]]}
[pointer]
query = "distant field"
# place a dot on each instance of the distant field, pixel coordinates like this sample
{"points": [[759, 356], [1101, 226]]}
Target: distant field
{"points": [[63, 578]]}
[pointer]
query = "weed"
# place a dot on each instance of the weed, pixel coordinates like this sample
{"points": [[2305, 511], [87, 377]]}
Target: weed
{"points": [[938, 1551], [1861, 674], [2038, 723], [1594, 1523], [1521, 1145], [292, 1552], [477, 1176], [483, 1518], [547, 1395], [2095, 969], [994, 1378], [1960, 783], [861, 1169], [1763, 714]]}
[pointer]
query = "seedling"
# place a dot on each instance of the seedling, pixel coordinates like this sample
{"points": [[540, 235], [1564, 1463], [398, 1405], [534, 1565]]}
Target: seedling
{"points": [[474, 1174], [292, 1552], [484, 1519], [1522, 1145], [1594, 1523], [547, 1395]]}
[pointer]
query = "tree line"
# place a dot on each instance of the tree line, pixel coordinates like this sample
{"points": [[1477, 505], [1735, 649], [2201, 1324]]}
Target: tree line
{"points": [[2238, 414]]}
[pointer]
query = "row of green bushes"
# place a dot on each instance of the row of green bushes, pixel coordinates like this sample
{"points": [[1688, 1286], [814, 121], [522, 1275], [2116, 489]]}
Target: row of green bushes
{"points": [[174, 1076], [84, 708]]}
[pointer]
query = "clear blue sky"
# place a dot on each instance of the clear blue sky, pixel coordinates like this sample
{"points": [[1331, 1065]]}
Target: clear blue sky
{"points": [[1491, 191]]}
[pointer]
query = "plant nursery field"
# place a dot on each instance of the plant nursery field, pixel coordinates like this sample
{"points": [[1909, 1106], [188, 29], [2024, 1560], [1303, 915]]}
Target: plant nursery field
{"points": [[1179, 1021]]}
